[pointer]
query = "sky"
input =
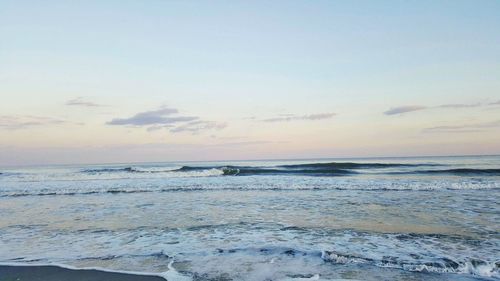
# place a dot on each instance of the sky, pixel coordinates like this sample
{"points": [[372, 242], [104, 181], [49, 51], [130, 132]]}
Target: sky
{"points": [[157, 80]]}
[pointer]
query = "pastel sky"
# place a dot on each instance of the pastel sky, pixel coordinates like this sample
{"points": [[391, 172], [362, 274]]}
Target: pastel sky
{"points": [[157, 80]]}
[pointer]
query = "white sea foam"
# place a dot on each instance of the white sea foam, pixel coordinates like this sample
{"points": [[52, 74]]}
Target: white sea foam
{"points": [[212, 180], [174, 275], [315, 277], [259, 250], [154, 169]]}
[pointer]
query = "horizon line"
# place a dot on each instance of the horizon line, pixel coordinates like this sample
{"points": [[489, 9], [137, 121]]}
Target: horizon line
{"points": [[249, 160]]}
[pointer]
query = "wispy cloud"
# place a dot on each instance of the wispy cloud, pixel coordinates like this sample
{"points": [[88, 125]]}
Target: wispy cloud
{"points": [[167, 118], [197, 126], [495, 103], [247, 143], [80, 101], [464, 127], [16, 122], [292, 117], [153, 117], [404, 109], [460, 105]]}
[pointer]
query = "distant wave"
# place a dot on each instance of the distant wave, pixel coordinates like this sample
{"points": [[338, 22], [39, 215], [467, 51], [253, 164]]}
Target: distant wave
{"points": [[130, 190], [463, 172], [7, 174], [107, 170], [352, 165], [415, 186], [453, 172], [311, 169], [231, 171], [129, 170], [332, 169], [248, 171]]}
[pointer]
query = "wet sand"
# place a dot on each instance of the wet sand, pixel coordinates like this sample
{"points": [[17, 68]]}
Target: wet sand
{"points": [[55, 273]]}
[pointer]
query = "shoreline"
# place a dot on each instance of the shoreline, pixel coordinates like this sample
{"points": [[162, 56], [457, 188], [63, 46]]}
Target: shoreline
{"points": [[59, 273]]}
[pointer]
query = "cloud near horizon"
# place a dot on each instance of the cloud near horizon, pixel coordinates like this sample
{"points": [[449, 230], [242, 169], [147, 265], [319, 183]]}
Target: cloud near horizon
{"points": [[292, 117], [162, 119], [17, 122], [80, 101], [463, 128], [152, 117], [198, 125], [404, 109], [460, 105], [410, 108]]}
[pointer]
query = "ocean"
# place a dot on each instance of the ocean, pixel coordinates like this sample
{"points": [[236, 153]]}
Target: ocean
{"points": [[426, 218]]}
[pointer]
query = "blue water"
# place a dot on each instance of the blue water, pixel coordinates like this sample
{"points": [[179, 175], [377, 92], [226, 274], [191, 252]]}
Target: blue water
{"points": [[429, 218]]}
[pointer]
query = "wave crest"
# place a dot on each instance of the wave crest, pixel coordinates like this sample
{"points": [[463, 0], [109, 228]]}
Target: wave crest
{"points": [[308, 169], [464, 172], [439, 265]]}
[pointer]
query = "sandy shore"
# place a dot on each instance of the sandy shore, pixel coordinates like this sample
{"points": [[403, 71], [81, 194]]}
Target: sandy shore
{"points": [[55, 273]]}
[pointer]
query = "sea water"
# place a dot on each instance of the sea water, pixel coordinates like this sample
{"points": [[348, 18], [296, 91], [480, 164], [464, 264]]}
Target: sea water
{"points": [[429, 218]]}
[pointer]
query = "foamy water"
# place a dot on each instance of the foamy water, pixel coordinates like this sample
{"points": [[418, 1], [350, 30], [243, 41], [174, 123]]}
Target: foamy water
{"points": [[365, 219]]}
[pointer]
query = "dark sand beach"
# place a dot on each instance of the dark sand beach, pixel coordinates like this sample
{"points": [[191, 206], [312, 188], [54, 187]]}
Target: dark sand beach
{"points": [[55, 273]]}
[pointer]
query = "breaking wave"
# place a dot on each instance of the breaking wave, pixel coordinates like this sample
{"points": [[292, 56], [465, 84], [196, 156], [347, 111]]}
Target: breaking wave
{"points": [[130, 170], [438, 265], [464, 172], [311, 169], [154, 187]]}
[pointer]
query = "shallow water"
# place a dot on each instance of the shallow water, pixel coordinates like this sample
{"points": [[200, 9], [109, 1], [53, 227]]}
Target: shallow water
{"points": [[367, 219]]}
